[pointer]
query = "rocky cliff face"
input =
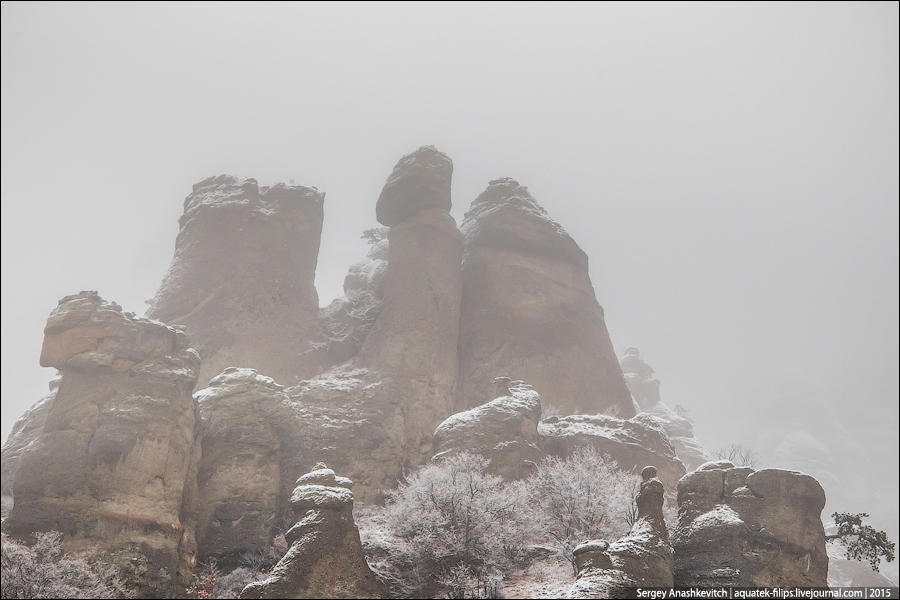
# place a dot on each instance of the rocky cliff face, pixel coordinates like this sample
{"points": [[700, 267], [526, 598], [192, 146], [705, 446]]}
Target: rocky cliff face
{"points": [[325, 558], [26, 429], [116, 461], [645, 391], [529, 311], [643, 558], [242, 279], [745, 528]]}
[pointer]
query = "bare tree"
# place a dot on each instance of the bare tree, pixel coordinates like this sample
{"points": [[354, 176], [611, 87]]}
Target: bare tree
{"points": [[737, 454]]}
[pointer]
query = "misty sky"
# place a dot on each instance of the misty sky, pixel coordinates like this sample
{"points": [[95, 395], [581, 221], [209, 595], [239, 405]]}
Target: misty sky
{"points": [[730, 170]]}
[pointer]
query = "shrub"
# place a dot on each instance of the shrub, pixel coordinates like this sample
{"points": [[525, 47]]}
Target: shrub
{"points": [[580, 498], [44, 571]]}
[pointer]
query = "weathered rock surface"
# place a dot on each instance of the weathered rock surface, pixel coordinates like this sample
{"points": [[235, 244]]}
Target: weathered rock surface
{"points": [[645, 391], [746, 528], [414, 340], [643, 558], [242, 279], [632, 443], [345, 323], [245, 419], [25, 430], [503, 430], [420, 180], [529, 310], [325, 558], [117, 460]]}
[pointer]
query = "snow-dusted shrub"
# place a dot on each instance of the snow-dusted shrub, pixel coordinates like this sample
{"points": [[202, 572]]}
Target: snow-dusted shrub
{"points": [[44, 571], [579, 498], [450, 529]]}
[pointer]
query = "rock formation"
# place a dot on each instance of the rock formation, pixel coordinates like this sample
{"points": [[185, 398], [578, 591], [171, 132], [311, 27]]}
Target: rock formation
{"points": [[413, 344], [504, 430], [631, 442], [645, 391], [245, 419], [529, 311], [325, 558], [745, 528], [26, 429], [643, 558], [117, 459], [242, 279]]}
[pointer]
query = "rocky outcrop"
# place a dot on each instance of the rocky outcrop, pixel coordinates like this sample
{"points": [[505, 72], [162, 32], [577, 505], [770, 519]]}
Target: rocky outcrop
{"points": [[325, 558], [245, 419], [345, 323], [631, 443], [25, 430], [744, 528], [645, 391], [503, 430], [242, 279], [529, 309], [643, 558], [116, 462], [413, 344]]}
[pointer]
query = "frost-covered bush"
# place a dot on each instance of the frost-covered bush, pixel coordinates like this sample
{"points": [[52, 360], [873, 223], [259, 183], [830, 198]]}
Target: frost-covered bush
{"points": [[580, 498], [450, 529], [44, 571]]}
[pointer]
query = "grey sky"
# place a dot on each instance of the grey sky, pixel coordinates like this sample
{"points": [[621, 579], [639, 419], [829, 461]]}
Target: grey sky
{"points": [[730, 170]]}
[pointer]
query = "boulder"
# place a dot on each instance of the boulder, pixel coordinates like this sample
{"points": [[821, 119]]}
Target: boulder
{"points": [[504, 430], [245, 417], [529, 309], [631, 442], [420, 180], [325, 558], [745, 528], [115, 465], [242, 278], [643, 558]]}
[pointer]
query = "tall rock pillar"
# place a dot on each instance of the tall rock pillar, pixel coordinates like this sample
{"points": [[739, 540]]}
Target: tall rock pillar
{"points": [[414, 340], [243, 277]]}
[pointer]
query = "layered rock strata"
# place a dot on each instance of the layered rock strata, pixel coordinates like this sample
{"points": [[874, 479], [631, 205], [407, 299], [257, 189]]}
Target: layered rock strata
{"points": [[630, 442], [117, 459], [744, 528], [325, 558], [242, 278], [529, 309], [504, 430], [643, 558], [246, 417], [645, 391]]}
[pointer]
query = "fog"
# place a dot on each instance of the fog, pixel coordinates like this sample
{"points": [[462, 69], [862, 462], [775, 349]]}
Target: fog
{"points": [[730, 170]]}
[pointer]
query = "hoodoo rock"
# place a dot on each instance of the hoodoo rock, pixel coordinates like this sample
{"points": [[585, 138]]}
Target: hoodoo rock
{"points": [[504, 430], [413, 345], [744, 528], [529, 309], [645, 391], [116, 462], [246, 417], [242, 279], [325, 558], [631, 442], [643, 558]]}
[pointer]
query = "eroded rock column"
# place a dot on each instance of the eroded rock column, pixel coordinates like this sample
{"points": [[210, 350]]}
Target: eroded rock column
{"points": [[115, 465], [529, 311], [243, 277], [413, 344]]}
